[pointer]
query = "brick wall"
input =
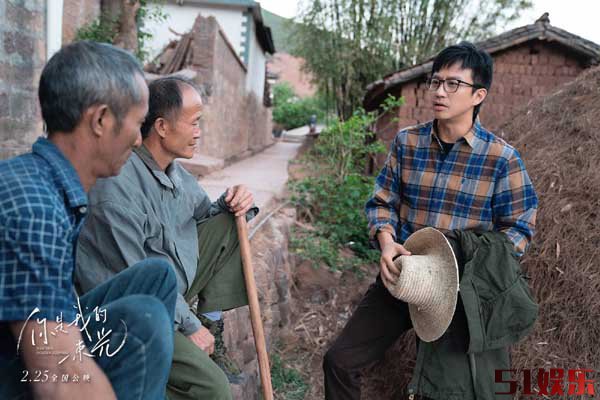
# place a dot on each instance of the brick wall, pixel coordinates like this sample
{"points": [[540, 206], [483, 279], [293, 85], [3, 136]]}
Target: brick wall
{"points": [[22, 55], [521, 73], [77, 13], [235, 123]]}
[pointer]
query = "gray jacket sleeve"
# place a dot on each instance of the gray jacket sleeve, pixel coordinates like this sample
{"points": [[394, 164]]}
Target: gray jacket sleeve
{"points": [[186, 321], [205, 209], [111, 240]]}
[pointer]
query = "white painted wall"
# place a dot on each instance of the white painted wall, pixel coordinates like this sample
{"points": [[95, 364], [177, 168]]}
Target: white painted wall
{"points": [[181, 19], [255, 79], [54, 18]]}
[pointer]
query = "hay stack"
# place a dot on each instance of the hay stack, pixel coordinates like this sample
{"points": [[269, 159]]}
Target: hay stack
{"points": [[558, 137]]}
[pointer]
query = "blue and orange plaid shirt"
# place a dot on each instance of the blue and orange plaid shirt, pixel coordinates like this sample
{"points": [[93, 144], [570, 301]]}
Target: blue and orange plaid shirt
{"points": [[480, 184]]}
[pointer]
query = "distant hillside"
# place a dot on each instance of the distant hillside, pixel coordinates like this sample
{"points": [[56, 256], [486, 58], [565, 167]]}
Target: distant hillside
{"points": [[280, 29]]}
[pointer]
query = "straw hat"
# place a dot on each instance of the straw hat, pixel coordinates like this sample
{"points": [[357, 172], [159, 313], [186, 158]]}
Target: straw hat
{"points": [[428, 282]]}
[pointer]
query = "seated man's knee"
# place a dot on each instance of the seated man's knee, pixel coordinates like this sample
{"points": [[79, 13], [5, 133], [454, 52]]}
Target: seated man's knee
{"points": [[149, 320], [219, 386], [159, 269]]}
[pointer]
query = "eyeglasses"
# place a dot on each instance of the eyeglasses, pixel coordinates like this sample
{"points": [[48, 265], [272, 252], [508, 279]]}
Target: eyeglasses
{"points": [[450, 85]]}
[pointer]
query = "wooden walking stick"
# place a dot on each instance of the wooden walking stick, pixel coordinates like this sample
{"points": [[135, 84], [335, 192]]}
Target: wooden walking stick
{"points": [[257, 326]]}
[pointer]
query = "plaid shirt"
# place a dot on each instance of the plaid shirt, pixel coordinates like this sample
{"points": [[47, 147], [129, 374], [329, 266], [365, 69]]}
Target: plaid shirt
{"points": [[42, 206], [480, 184]]}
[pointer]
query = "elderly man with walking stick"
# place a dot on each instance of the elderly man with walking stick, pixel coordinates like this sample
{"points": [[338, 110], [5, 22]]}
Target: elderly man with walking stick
{"points": [[155, 208]]}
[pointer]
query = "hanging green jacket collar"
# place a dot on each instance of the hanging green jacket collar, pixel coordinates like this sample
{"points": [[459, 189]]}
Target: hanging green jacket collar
{"points": [[495, 309]]}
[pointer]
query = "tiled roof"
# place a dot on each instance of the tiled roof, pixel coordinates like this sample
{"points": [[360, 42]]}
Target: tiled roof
{"points": [[540, 30]]}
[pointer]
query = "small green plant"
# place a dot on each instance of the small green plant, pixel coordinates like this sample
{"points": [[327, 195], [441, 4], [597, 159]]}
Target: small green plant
{"points": [[333, 201], [102, 29], [287, 382]]}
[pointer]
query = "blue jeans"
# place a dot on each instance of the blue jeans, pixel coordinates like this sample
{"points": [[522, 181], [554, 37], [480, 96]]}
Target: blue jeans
{"points": [[139, 305]]}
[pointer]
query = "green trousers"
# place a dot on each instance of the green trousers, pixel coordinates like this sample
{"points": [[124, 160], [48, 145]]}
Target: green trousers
{"points": [[219, 285]]}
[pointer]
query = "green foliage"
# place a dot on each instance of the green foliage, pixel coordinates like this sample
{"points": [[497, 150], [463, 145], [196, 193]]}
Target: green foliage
{"points": [[333, 201], [292, 112], [104, 29], [348, 44], [144, 15], [287, 381]]}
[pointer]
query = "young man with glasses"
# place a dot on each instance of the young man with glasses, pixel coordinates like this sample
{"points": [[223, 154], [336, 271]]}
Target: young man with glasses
{"points": [[449, 174]]}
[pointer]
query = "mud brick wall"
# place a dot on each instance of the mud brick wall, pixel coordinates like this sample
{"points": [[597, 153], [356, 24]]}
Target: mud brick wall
{"points": [[235, 123], [260, 124], [521, 73], [22, 55]]}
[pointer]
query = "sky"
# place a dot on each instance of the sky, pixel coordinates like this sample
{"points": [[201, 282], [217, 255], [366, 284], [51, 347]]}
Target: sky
{"points": [[581, 17]]}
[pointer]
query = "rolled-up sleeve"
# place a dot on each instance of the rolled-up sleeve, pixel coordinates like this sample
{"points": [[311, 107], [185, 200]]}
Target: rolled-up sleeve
{"points": [[515, 203]]}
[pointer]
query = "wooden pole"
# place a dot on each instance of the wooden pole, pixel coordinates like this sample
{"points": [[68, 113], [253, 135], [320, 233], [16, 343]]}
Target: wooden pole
{"points": [[257, 326]]}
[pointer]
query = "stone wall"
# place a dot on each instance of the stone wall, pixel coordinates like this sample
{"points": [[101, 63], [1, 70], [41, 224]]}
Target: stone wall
{"points": [[22, 55], [521, 73]]}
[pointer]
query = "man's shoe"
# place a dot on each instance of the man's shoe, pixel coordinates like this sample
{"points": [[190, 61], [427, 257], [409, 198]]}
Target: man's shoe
{"points": [[219, 356]]}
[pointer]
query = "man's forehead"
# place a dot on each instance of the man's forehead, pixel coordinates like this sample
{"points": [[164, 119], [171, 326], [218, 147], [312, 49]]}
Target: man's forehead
{"points": [[190, 96], [454, 71]]}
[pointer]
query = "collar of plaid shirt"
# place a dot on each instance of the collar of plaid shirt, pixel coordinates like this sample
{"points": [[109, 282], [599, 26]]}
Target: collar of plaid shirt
{"points": [[65, 176], [474, 137]]}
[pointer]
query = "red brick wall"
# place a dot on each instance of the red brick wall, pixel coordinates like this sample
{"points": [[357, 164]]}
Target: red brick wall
{"points": [[520, 73], [525, 72], [77, 13]]}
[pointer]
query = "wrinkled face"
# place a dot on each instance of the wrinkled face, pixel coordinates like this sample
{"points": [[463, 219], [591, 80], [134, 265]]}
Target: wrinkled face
{"points": [[183, 129], [116, 147], [457, 105]]}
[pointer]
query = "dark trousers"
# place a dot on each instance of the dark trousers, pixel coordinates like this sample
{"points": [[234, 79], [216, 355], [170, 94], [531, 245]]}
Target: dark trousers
{"points": [[376, 324]]}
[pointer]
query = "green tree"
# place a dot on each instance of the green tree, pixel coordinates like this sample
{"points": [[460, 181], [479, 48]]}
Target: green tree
{"points": [[290, 111], [348, 44]]}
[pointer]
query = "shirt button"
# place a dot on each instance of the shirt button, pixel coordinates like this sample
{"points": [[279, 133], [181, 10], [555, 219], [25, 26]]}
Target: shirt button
{"points": [[83, 209]]}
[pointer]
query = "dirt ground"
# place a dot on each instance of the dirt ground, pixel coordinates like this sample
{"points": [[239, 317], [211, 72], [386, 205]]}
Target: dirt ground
{"points": [[323, 302]]}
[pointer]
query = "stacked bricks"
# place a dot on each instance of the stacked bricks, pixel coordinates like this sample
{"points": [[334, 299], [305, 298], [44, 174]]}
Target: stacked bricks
{"points": [[22, 56]]}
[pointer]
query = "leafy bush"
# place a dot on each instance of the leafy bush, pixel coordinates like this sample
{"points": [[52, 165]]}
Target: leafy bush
{"points": [[292, 112], [104, 29], [333, 201]]}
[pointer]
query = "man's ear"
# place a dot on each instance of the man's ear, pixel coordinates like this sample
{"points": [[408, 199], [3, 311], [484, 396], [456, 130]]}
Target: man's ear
{"points": [[99, 116], [161, 126], [479, 96]]}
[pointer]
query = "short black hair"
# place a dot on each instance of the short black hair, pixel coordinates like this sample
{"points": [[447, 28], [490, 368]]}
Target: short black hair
{"points": [[469, 57], [165, 99], [83, 74]]}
